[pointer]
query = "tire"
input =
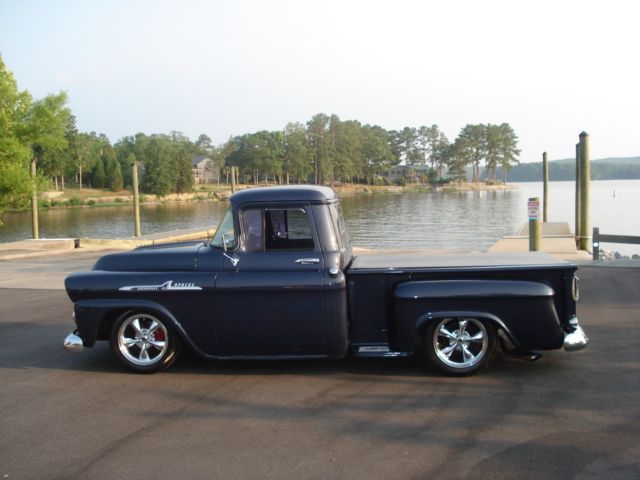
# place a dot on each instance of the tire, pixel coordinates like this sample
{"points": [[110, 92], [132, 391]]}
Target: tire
{"points": [[143, 342], [460, 346]]}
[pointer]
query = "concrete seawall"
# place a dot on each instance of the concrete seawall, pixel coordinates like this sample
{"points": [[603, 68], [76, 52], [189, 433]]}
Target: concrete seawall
{"points": [[56, 246]]}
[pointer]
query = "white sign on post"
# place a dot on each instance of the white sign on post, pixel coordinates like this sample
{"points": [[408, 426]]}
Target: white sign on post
{"points": [[534, 208]]}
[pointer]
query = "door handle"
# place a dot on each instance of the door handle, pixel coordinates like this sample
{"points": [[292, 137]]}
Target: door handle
{"points": [[307, 261]]}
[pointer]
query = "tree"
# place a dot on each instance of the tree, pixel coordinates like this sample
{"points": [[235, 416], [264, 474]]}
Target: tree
{"points": [[298, 156], [204, 145], [317, 137], [84, 154], [184, 173], [508, 149], [15, 182], [117, 182], [472, 147], [159, 174], [378, 156], [435, 143]]}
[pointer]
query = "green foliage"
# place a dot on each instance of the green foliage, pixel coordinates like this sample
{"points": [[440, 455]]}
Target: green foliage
{"points": [[99, 175], [75, 201], [158, 177], [116, 177], [28, 130], [184, 175]]}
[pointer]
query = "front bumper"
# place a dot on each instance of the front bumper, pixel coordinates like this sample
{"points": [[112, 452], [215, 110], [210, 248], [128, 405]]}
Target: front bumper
{"points": [[73, 343], [576, 339]]}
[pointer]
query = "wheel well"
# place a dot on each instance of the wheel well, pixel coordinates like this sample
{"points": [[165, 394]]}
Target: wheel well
{"points": [[500, 329], [107, 322]]}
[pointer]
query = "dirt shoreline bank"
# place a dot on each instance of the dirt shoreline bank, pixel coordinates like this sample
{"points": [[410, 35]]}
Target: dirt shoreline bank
{"points": [[71, 198]]}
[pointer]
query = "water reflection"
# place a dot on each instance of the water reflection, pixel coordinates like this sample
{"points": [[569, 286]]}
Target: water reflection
{"points": [[460, 220]]}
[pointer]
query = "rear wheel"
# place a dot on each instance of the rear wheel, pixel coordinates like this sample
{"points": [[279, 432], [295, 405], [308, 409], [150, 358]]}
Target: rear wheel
{"points": [[143, 342], [460, 346]]}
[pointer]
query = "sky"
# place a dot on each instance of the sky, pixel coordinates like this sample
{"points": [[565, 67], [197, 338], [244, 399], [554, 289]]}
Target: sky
{"points": [[551, 69]]}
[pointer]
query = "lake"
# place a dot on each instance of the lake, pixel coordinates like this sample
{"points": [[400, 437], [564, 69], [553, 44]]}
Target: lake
{"points": [[447, 220]]}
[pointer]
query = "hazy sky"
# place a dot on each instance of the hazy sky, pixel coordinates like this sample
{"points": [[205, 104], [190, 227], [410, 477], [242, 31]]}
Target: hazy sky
{"points": [[549, 68]]}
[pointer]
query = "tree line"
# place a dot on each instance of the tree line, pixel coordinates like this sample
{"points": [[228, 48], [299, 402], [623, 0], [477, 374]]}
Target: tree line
{"points": [[325, 150]]}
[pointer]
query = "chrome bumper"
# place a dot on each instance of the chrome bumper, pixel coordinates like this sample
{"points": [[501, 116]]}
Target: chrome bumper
{"points": [[73, 343], [576, 340]]}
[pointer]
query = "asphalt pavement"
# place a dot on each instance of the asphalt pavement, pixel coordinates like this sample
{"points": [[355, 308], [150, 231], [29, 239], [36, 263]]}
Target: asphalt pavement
{"points": [[65, 416]]}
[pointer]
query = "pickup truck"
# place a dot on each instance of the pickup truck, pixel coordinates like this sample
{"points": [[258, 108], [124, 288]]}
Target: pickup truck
{"points": [[279, 280]]}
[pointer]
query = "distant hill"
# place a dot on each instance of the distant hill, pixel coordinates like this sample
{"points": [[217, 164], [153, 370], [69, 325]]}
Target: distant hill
{"points": [[614, 168]]}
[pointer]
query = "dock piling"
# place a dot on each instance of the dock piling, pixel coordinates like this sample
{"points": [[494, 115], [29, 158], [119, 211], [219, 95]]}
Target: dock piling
{"points": [[585, 177], [578, 230], [136, 199], [545, 187], [34, 200], [535, 233]]}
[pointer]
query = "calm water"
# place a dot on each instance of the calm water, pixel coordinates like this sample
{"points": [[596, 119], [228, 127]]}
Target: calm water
{"points": [[463, 220]]}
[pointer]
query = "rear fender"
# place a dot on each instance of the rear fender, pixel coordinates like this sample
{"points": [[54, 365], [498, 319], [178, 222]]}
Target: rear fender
{"points": [[523, 310]]}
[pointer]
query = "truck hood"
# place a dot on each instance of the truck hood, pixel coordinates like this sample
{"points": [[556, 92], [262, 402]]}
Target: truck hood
{"points": [[158, 258]]}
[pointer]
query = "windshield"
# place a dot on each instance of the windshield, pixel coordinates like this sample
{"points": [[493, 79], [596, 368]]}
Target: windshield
{"points": [[225, 231]]}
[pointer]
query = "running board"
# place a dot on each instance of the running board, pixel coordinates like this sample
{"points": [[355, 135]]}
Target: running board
{"points": [[529, 356]]}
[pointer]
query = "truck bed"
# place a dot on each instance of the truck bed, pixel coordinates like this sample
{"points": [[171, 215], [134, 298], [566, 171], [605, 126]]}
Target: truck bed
{"points": [[385, 263]]}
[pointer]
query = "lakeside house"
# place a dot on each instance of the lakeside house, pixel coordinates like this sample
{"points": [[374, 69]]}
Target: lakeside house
{"points": [[409, 173], [203, 170]]}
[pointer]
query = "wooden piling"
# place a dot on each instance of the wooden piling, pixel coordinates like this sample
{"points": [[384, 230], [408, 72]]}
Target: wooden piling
{"points": [[545, 187], [136, 198], [535, 232], [585, 177], [233, 179], [578, 230], [34, 200]]}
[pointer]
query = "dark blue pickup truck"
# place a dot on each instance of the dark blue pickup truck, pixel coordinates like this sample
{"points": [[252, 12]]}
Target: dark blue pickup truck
{"points": [[279, 280]]}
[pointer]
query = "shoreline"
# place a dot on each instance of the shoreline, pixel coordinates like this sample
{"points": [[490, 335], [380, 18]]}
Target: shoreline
{"points": [[52, 200]]}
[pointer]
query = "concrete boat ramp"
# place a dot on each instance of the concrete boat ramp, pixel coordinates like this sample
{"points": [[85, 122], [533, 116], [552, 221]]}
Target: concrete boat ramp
{"points": [[557, 239]]}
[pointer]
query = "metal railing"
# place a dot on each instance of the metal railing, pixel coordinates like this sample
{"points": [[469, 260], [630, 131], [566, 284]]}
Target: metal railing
{"points": [[598, 237]]}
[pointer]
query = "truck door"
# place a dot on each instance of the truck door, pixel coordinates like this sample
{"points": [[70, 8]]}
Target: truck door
{"points": [[270, 302]]}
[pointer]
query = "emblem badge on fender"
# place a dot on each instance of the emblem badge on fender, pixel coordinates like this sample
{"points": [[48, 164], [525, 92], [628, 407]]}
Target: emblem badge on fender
{"points": [[168, 285]]}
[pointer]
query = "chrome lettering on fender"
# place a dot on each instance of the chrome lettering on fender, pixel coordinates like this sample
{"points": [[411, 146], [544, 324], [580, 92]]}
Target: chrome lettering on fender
{"points": [[168, 285]]}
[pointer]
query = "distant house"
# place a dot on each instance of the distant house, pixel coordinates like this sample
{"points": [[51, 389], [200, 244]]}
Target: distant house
{"points": [[203, 170], [410, 173]]}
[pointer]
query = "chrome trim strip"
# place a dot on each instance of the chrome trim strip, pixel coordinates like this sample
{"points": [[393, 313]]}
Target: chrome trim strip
{"points": [[374, 349]]}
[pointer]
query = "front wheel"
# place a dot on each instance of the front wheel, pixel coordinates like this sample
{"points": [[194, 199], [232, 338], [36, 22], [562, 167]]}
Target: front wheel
{"points": [[460, 346], [144, 343]]}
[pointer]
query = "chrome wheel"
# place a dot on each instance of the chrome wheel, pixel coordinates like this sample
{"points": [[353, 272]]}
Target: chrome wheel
{"points": [[142, 339], [460, 346]]}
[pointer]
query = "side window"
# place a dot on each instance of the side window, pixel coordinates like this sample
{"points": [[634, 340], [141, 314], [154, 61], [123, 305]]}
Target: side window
{"points": [[253, 229], [287, 229]]}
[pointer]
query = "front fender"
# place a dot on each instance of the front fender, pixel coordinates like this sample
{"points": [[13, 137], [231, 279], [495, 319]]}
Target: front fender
{"points": [[90, 317]]}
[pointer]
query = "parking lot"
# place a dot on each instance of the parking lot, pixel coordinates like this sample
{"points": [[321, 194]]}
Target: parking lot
{"points": [[82, 416]]}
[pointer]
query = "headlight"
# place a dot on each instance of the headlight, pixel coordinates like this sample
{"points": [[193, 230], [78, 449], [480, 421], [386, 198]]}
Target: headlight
{"points": [[575, 288]]}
